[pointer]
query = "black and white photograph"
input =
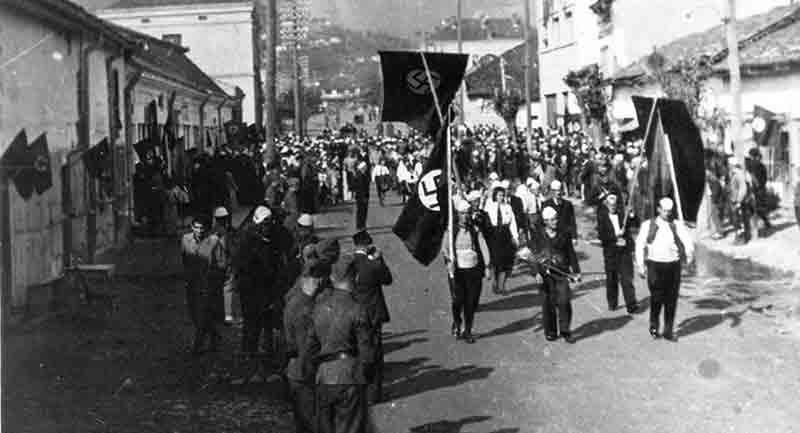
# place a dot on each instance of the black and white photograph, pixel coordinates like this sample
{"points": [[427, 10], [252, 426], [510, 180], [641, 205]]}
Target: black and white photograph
{"points": [[400, 216]]}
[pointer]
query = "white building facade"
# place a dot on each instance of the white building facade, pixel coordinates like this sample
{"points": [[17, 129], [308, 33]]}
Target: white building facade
{"points": [[219, 36], [610, 33]]}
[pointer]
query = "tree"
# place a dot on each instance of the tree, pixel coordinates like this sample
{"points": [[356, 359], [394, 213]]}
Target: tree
{"points": [[682, 79], [506, 105], [589, 88]]}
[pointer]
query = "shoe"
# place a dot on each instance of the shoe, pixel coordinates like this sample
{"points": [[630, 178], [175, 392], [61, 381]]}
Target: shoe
{"points": [[551, 337], [456, 330], [568, 337], [632, 309], [612, 308], [669, 336], [468, 338], [654, 332]]}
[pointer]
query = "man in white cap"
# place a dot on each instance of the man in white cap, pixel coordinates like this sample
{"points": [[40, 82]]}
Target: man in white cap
{"points": [[466, 267], [226, 234], [529, 193], [564, 209], [557, 255], [662, 246], [615, 235]]}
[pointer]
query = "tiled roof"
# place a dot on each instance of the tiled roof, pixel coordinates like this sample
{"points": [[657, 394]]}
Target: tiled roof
{"points": [[171, 60], [779, 47], [484, 79], [712, 41], [132, 4], [472, 29]]}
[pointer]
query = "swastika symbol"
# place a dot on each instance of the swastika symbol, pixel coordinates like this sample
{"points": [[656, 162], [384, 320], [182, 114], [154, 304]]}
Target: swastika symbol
{"points": [[427, 189], [417, 81], [759, 124]]}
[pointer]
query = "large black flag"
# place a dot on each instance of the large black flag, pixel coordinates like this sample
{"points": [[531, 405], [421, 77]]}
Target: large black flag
{"points": [[423, 221], [98, 158], [766, 128], [42, 169], [407, 95], [17, 162], [168, 140], [672, 126]]}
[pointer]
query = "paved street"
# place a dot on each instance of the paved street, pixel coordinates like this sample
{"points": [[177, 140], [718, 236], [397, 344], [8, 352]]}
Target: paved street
{"points": [[735, 368], [732, 370]]}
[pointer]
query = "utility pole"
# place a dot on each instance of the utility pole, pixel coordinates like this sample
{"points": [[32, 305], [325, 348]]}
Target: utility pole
{"points": [[735, 78], [267, 11], [527, 36], [462, 94], [297, 89]]}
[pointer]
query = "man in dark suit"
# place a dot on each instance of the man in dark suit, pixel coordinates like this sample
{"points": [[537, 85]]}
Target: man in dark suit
{"points": [[564, 210], [361, 184], [617, 240], [371, 275]]}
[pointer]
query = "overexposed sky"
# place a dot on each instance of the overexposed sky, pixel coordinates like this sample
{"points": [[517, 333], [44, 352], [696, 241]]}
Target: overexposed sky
{"points": [[746, 8]]}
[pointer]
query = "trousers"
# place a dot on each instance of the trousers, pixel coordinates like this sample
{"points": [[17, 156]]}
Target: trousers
{"points": [[375, 386], [663, 280], [303, 406], [465, 292], [619, 272], [254, 321], [361, 213], [341, 409], [557, 307]]}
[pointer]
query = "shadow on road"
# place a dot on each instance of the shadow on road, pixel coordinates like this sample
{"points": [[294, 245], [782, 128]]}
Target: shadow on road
{"points": [[518, 302], [599, 326], [534, 322], [448, 426], [705, 322], [412, 377], [394, 346], [393, 335]]}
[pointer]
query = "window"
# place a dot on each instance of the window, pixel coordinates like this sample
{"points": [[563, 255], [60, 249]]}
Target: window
{"points": [[172, 38], [202, 18], [145, 20]]}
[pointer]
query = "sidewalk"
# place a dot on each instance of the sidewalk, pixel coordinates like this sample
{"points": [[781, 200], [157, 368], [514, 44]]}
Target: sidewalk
{"points": [[780, 250]]}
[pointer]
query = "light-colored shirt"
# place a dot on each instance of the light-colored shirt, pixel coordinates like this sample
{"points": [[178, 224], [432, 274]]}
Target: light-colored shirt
{"points": [[663, 249], [615, 223], [466, 256], [530, 203], [506, 215]]}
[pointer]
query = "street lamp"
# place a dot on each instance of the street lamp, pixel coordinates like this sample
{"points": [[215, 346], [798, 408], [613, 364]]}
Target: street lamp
{"points": [[732, 42]]}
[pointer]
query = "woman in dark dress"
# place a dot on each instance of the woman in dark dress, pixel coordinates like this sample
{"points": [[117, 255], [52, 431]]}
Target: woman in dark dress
{"points": [[503, 238]]}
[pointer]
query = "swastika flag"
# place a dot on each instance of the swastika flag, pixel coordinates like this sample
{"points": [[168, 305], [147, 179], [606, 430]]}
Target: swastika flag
{"points": [[408, 93], [423, 221]]}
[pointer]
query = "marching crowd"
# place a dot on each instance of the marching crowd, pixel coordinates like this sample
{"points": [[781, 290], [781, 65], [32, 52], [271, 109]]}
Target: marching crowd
{"points": [[326, 302]]}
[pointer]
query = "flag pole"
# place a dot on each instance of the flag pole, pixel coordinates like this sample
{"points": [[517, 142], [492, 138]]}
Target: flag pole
{"points": [[672, 175], [433, 87], [449, 193], [635, 182]]}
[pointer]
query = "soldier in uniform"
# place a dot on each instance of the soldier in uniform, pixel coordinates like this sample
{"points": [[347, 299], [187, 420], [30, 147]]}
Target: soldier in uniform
{"points": [[617, 241], [554, 245], [344, 336], [298, 326], [200, 252], [662, 246], [371, 275]]}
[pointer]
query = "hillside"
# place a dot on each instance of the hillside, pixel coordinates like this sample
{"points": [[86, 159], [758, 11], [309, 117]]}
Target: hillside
{"points": [[401, 18]]}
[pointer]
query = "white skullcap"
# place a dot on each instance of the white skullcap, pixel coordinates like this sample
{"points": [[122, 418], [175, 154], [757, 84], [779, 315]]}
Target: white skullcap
{"points": [[666, 203], [261, 213], [220, 212], [555, 185], [505, 184], [305, 220], [474, 195], [733, 161], [548, 213], [493, 176], [530, 181], [461, 205]]}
